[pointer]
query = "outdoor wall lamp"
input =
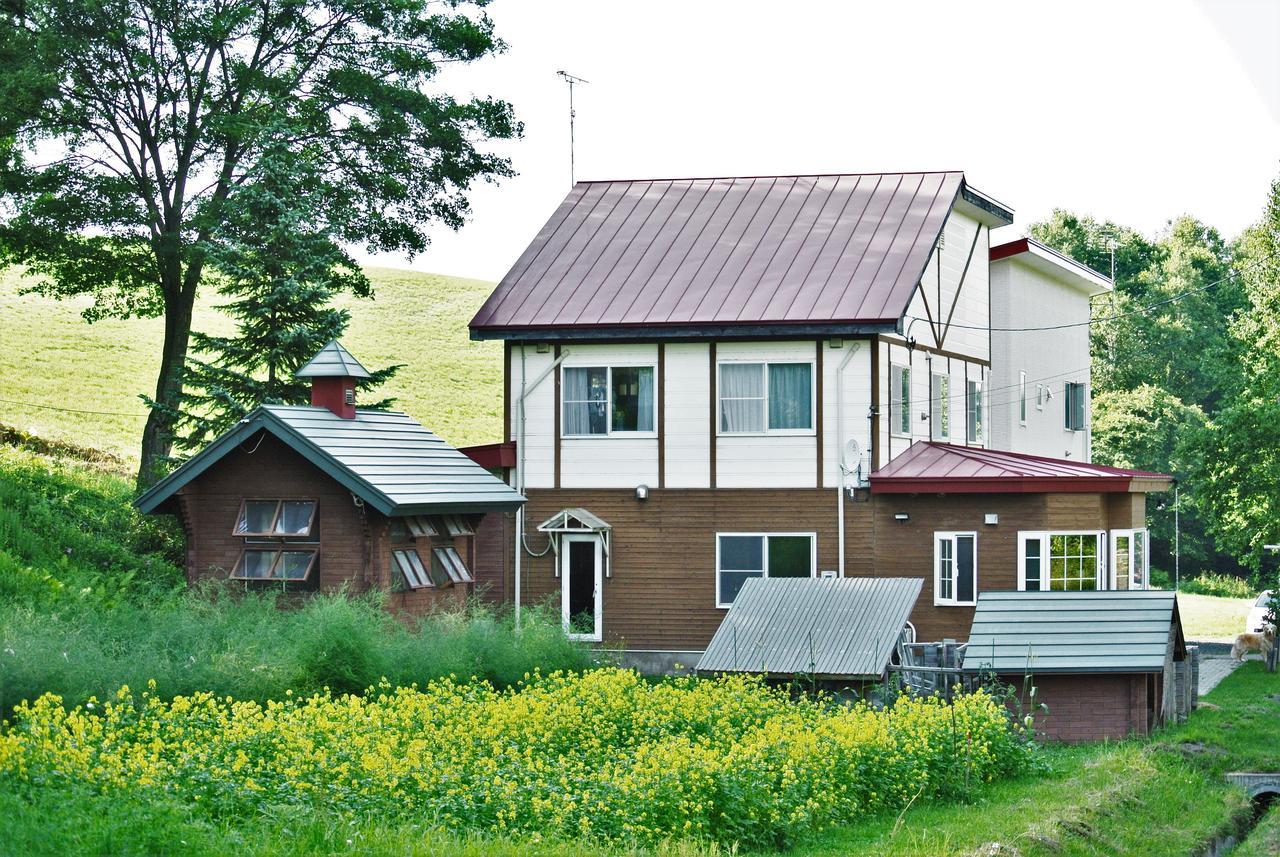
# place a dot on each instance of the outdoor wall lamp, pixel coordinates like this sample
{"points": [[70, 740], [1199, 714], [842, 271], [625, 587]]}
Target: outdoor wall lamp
{"points": [[900, 516], [642, 492]]}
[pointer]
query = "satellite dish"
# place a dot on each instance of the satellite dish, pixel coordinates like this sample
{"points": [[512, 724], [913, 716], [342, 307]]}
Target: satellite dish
{"points": [[851, 456]]}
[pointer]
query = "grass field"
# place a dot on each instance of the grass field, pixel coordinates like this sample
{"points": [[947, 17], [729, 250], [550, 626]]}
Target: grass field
{"points": [[1206, 617], [50, 356]]}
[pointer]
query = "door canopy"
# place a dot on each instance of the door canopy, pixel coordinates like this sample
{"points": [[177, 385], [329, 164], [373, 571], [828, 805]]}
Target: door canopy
{"points": [[576, 521]]}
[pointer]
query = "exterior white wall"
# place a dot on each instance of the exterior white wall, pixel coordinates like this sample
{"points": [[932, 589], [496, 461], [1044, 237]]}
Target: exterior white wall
{"points": [[854, 424], [936, 299], [923, 365], [1023, 297], [539, 430], [688, 416]]}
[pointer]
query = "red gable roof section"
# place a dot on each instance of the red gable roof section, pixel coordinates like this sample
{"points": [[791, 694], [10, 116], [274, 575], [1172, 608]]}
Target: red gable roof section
{"points": [[939, 468], [727, 252]]}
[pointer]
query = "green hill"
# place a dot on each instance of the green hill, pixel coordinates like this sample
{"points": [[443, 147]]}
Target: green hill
{"points": [[50, 356]]}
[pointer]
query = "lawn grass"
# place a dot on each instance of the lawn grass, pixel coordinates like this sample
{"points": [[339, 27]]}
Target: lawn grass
{"points": [[1165, 796], [1264, 841], [1207, 617], [49, 355]]}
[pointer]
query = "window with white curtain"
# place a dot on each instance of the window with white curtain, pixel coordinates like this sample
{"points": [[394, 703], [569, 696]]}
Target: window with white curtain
{"points": [[900, 399], [760, 398], [604, 400]]}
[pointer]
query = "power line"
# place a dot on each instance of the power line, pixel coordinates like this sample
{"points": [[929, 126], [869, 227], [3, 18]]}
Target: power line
{"points": [[73, 410], [1139, 311]]}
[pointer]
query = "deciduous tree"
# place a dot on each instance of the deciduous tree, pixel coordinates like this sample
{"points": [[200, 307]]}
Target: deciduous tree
{"points": [[128, 128]]}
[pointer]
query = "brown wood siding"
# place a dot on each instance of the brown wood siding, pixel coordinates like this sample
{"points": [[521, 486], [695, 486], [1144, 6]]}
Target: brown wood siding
{"points": [[1091, 707], [661, 589], [1127, 511]]}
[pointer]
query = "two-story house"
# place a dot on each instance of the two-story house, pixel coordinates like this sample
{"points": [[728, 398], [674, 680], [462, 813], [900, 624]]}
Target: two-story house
{"points": [[708, 380]]}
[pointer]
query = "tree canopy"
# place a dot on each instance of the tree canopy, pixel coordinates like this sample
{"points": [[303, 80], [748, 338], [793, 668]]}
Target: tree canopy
{"points": [[129, 130]]}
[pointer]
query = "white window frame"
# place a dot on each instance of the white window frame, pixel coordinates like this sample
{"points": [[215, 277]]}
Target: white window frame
{"points": [[608, 367], [1022, 397], [902, 406], [764, 557], [1102, 580], [811, 431], [951, 537], [939, 403], [1132, 534], [1041, 390], [972, 393]]}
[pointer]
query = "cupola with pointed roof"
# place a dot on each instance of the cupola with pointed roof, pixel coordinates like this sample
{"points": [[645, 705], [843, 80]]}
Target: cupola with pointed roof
{"points": [[334, 373]]}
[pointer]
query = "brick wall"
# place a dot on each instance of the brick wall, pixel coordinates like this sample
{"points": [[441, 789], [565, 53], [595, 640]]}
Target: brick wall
{"points": [[1091, 707], [354, 552]]}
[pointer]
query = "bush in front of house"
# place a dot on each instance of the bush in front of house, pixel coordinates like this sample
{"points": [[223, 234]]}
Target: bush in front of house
{"points": [[1219, 585], [247, 647], [602, 755]]}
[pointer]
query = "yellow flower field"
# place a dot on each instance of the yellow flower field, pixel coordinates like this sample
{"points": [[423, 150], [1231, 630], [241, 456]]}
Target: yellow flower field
{"points": [[604, 755]]}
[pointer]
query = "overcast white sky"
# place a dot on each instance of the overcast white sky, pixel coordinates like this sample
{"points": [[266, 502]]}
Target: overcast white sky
{"points": [[1132, 111]]}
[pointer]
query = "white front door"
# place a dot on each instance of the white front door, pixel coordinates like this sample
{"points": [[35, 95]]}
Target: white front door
{"points": [[581, 590], [1129, 559]]}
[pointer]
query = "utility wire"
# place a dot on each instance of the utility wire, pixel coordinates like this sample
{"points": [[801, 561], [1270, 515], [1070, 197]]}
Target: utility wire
{"points": [[72, 410], [1139, 311]]}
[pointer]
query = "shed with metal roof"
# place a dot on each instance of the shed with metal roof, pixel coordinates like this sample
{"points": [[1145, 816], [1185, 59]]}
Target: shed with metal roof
{"points": [[1104, 664], [830, 628]]}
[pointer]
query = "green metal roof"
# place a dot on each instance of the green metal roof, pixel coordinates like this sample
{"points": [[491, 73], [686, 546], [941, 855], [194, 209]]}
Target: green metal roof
{"points": [[389, 460], [829, 627], [1073, 632], [333, 361]]}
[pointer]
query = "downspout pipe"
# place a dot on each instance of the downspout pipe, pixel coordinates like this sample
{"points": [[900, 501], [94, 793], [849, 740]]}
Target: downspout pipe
{"points": [[841, 470], [525, 390]]}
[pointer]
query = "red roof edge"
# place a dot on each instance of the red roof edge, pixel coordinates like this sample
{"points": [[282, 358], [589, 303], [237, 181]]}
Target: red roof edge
{"points": [[492, 456], [1013, 248]]}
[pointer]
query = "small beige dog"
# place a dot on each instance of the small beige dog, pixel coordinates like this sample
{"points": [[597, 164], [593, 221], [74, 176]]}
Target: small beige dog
{"points": [[1260, 643]]}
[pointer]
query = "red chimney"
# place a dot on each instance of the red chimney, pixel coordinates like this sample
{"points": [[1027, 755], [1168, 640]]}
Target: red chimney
{"points": [[334, 373]]}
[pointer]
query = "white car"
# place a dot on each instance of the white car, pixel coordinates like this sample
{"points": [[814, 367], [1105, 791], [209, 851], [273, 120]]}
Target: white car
{"points": [[1258, 613]]}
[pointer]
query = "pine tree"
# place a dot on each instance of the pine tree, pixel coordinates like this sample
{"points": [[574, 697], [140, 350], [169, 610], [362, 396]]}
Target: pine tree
{"points": [[280, 270]]}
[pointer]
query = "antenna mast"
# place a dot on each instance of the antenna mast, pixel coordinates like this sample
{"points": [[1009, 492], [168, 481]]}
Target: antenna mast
{"points": [[571, 80]]}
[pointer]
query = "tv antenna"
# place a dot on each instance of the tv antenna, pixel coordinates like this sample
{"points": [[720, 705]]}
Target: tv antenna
{"points": [[571, 80]]}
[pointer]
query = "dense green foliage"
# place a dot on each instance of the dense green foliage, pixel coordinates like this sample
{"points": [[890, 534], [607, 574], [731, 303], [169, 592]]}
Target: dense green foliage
{"points": [[1185, 362], [157, 114], [1219, 586], [280, 273]]}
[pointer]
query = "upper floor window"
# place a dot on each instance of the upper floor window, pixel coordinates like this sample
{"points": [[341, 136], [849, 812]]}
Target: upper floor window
{"points": [[940, 404], [742, 556], [900, 399], [759, 398], [278, 518], [1074, 406], [955, 568], [603, 400], [1022, 397], [277, 564], [975, 412]]}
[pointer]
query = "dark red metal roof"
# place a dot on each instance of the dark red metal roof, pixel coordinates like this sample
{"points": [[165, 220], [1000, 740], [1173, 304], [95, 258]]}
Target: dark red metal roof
{"points": [[694, 254], [929, 468], [492, 456]]}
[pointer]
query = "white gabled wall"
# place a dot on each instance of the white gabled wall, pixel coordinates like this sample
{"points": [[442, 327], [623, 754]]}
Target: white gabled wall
{"points": [[857, 406], [923, 365], [539, 428], [936, 300], [1023, 297], [688, 415]]}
